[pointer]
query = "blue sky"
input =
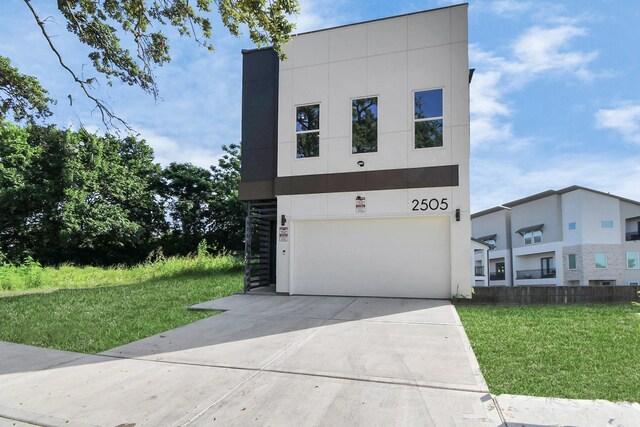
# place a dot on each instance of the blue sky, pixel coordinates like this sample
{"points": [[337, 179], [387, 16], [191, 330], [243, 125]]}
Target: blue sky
{"points": [[555, 100]]}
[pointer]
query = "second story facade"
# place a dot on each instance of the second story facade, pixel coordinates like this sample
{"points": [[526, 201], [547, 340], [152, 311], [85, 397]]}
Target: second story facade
{"points": [[357, 147], [573, 236]]}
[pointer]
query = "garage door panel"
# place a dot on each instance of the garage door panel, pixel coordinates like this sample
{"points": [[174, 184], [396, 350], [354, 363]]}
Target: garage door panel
{"points": [[406, 257]]}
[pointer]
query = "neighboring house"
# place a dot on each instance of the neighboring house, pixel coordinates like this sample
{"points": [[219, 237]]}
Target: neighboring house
{"points": [[355, 159], [480, 251], [573, 236], [493, 226]]}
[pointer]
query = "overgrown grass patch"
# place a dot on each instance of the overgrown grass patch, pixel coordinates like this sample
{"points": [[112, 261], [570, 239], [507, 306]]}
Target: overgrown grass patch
{"points": [[576, 351], [91, 309], [31, 276]]}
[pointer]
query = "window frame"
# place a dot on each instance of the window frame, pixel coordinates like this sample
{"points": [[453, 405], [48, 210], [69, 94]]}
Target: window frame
{"points": [[414, 120], [637, 260], [606, 260], [377, 96], [602, 224], [303, 132], [533, 237], [575, 262]]}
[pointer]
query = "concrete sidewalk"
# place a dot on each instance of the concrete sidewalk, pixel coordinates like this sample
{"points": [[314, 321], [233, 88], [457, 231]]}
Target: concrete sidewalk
{"points": [[274, 360]]}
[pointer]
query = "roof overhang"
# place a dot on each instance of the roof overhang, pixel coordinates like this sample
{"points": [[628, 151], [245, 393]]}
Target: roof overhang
{"points": [[529, 229]]}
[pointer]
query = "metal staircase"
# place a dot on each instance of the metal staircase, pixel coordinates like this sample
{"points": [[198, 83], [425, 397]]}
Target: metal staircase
{"points": [[260, 235]]}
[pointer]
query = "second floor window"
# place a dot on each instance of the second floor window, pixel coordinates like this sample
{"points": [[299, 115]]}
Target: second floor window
{"points": [[364, 125], [427, 118], [606, 224], [572, 226], [308, 131], [531, 237]]}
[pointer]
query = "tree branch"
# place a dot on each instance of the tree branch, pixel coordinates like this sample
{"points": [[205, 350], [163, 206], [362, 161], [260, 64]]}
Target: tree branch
{"points": [[106, 113]]}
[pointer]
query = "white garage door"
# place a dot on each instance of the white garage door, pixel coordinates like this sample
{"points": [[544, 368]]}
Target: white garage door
{"points": [[406, 257]]}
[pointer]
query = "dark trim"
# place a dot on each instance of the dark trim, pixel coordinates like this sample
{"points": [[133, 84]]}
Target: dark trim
{"points": [[256, 190], [523, 230], [564, 191], [549, 193], [482, 243], [489, 237], [489, 211], [259, 158], [391, 179]]}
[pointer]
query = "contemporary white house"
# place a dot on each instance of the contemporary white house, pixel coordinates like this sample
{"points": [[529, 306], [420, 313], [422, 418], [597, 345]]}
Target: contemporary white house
{"points": [[355, 159], [573, 236]]}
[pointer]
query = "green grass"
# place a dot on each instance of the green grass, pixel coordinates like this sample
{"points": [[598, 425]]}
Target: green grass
{"points": [[576, 351], [90, 310]]}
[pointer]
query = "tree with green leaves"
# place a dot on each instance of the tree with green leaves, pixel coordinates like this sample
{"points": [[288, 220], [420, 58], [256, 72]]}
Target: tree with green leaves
{"points": [[203, 204], [110, 210], [108, 27], [76, 197], [186, 190], [226, 211]]}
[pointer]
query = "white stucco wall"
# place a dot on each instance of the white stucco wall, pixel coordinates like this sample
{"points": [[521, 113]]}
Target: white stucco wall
{"points": [[389, 59], [587, 209]]}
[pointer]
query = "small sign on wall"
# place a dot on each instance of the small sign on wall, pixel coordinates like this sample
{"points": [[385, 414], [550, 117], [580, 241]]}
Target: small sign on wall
{"points": [[361, 204], [283, 234]]}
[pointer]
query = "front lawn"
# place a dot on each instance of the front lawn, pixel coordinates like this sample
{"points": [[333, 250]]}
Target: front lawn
{"points": [[141, 301], [576, 351]]}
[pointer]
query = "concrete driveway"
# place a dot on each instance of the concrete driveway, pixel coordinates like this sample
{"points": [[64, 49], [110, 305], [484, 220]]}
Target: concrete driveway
{"points": [[267, 360]]}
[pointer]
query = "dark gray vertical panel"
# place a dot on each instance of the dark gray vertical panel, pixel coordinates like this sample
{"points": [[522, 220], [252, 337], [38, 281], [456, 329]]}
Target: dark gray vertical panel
{"points": [[259, 118]]}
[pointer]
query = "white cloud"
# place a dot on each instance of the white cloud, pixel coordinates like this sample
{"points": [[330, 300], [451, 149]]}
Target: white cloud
{"points": [[315, 14], [536, 53], [510, 7], [490, 178], [624, 119], [541, 50], [167, 150], [488, 109]]}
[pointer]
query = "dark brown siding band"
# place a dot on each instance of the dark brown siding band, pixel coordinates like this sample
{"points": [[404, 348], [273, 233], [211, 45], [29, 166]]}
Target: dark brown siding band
{"points": [[392, 179], [256, 190]]}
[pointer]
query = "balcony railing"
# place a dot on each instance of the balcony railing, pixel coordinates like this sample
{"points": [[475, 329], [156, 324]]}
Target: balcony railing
{"points": [[633, 235], [496, 276], [536, 274], [479, 271]]}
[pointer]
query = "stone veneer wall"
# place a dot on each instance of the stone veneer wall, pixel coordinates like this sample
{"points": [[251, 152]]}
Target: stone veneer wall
{"points": [[586, 263]]}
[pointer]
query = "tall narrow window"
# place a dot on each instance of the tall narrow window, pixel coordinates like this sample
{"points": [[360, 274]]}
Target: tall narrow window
{"points": [[364, 125], [633, 260], [427, 118], [547, 268], [572, 262], [308, 131], [601, 260]]}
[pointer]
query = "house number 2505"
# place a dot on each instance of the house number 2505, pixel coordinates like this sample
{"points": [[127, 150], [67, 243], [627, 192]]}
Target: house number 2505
{"points": [[430, 204]]}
